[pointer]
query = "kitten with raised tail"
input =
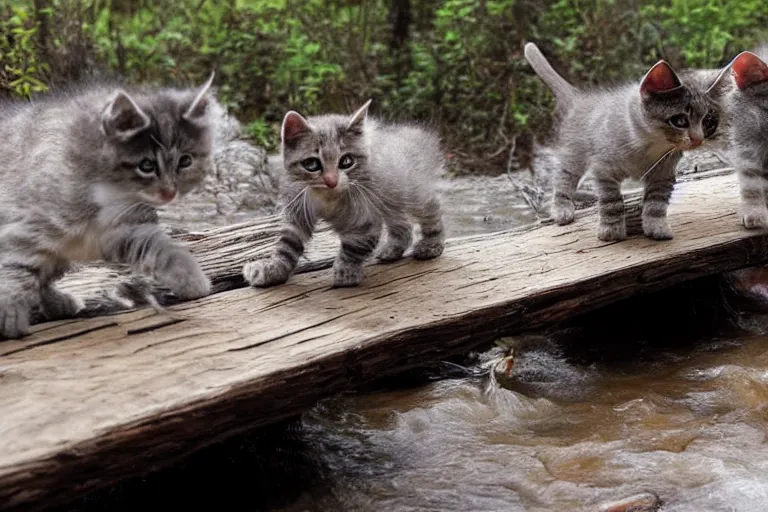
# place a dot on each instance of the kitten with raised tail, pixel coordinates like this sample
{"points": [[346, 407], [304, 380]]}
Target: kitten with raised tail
{"points": [[633, 131], [356, 173], [748, 134], [81, 175]]}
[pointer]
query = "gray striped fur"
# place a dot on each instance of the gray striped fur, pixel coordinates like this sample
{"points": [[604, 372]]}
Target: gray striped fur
{"points": [[71, 190], [619, 133], [392, 183], [748, 146]]}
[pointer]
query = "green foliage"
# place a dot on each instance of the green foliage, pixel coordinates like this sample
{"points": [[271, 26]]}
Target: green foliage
{"points": [[706, 31], [456, 64], [20, 69]]}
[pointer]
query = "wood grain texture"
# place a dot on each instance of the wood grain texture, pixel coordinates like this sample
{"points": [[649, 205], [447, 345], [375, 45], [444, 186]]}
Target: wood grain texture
{"points": [[84, 403]]}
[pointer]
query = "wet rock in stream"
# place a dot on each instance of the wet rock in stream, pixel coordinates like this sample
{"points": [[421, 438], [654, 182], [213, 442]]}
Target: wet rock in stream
{"points": [[645, 502]]}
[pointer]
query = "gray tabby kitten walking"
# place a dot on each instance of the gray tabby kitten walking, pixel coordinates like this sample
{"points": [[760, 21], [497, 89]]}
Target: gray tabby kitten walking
{"points": [[633, 131], [80, 176], [748, 142], [357, 174]]}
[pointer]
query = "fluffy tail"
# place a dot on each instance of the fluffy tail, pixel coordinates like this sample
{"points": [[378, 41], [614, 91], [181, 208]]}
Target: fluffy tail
{"points": [[562, 90]]}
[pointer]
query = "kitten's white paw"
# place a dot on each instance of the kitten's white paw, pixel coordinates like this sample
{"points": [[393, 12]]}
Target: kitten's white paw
{"points": [[390, 253], [56, 304], [184, 276], [612, 232], [427, 249], [657, 229], [563, 214], [347, 275], [14, 318], [756, 219], [264, 273]]}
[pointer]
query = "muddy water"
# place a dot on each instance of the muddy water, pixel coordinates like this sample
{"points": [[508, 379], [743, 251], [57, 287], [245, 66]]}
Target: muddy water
{"points": [[670, 399], [690, 427]]}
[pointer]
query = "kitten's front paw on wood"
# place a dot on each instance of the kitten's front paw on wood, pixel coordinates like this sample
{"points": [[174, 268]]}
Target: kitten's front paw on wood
{"points": [[390, 253], [264, 273], [427, 249], [183, 275], [657, 229], [563, 214], [755, 219], [57, 305], [347, 275], [14, 318], [612, 232]]}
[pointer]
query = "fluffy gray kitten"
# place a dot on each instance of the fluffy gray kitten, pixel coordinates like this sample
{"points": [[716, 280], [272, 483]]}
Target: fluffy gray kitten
{"points": [[357, 174], [635, 131], [81, 174], [748, 134]]}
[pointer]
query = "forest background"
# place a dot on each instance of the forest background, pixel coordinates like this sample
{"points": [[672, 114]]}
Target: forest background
{"points": [[456, 64]]}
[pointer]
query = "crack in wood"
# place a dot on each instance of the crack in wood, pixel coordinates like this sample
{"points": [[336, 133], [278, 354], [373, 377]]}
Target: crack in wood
{"points": [[154, 327], [72, 335], [291, 333]]}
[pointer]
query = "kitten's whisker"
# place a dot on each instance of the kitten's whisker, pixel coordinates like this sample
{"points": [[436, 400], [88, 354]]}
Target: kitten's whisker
{"points": [[130, 207], [305, 209], [299, 196], [366, 199], [656, 163], [369, 197]]}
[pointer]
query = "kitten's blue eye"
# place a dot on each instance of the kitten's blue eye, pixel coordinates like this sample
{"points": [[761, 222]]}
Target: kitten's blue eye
{"points": [[147, 166], [346, 162], [185, 161], [312, 164], [679, 121]]}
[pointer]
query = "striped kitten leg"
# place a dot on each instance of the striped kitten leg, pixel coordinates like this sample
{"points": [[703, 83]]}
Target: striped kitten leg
{"points": [[432, 241], [56, 304], [658, 190], [612, 225], [20, 295], [399, 236], [754, 210], [564, 184], [297, 230], [355, 249], [149, 250]]}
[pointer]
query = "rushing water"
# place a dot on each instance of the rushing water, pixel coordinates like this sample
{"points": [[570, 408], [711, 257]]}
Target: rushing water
{"points": [[667, 394]]}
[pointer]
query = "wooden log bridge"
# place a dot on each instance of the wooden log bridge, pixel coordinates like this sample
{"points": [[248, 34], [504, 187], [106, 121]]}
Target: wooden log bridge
{"points": [[87, 402]]}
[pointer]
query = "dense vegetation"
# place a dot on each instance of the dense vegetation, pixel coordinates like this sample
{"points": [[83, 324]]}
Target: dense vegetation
{"points": [[455, 63]]}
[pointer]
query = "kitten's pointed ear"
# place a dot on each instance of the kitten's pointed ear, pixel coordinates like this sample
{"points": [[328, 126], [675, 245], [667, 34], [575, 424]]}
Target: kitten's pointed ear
{"points": [[200, 104], [293, 126], [660, 78], [719, 83], [748, 70], [123, 118], [357, 121]]}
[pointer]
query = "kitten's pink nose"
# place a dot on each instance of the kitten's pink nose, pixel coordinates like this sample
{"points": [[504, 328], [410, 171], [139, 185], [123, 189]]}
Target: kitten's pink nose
{"points": [[167, 195], [331, 178], [695, 142]]}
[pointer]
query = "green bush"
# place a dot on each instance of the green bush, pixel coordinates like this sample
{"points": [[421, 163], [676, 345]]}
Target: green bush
{"points": [[455, 64]]}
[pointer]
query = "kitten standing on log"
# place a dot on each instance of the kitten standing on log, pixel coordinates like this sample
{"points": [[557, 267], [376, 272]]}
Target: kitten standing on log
{"points": [[81, 173], [748, 134], [633, 131], [356, 173]]}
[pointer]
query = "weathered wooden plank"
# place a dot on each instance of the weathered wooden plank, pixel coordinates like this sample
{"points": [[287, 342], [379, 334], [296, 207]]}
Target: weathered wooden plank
{"points": [[85, 403]]}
